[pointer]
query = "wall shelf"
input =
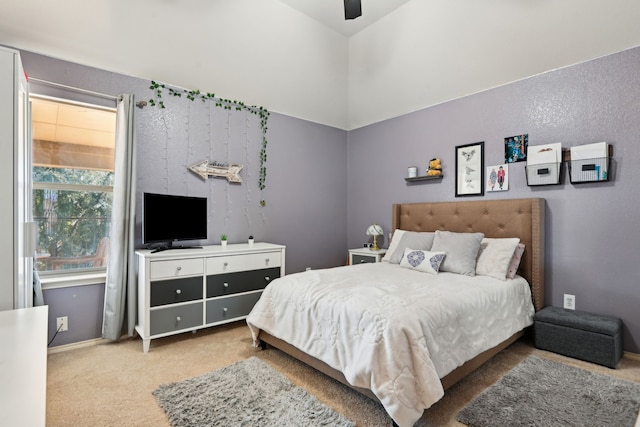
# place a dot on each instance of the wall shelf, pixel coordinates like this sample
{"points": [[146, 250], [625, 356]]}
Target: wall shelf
{"points": [[423, 178]]}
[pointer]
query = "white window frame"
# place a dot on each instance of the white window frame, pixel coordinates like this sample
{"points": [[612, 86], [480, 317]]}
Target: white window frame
{"points": [[71, 278]]}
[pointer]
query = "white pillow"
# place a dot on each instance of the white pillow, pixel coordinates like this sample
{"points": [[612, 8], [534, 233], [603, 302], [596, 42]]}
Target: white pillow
{"points": [[495, 256], [393, 244], [426, 261]]}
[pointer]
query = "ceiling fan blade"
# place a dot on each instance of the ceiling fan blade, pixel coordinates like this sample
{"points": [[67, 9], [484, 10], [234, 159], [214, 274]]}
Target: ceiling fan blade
{"points": [[352, 9]]}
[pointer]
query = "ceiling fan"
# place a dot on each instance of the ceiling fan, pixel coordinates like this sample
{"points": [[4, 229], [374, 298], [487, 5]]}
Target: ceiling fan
{"points": [[352, 9]]}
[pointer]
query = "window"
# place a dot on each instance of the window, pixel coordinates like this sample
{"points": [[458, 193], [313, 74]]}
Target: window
{"points": [[73, 162]]}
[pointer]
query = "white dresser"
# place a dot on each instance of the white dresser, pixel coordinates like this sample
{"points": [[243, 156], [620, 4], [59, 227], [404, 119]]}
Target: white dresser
{"points": [[182, 290]]}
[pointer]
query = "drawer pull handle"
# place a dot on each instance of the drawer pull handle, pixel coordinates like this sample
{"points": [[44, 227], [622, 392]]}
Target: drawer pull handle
{"points": [[179, 268], [178, 319], [267, 278], [226, 285], [267, 260], [224, 309], [362, 261], [178, 291], [225, 264]]}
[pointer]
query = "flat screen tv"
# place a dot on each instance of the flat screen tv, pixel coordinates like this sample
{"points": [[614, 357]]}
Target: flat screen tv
{"points": [[170, 218]]}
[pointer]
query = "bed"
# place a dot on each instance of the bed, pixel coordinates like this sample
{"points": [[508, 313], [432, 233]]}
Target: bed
{"points": [[340, 322]]}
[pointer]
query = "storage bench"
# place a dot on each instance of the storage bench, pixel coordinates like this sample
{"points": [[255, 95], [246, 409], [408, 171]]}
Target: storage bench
{"points": [[585, 336]]}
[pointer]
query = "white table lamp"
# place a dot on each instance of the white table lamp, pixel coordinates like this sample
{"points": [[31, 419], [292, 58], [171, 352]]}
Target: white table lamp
{"points": [[374, 230]]}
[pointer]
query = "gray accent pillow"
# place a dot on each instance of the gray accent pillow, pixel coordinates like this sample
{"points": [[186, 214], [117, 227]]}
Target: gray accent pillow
{"points": [[414, 240], [461, 249]]}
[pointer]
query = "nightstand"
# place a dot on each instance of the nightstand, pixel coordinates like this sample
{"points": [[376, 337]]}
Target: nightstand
{"points": [[360, 255]]}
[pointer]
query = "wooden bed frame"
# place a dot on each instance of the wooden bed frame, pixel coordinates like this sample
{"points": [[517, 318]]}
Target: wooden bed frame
{"points": [[523, 218]]}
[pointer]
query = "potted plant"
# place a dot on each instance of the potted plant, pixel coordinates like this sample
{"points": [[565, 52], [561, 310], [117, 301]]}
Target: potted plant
{"points": [[223, 240], [250, 241]]}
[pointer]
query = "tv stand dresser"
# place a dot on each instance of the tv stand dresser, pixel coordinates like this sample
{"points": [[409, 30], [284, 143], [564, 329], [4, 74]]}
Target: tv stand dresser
{"points": [[191, 289]]}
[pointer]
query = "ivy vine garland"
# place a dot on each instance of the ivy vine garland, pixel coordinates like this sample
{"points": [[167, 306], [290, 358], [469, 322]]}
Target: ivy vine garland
{"points": [[227, 104]]}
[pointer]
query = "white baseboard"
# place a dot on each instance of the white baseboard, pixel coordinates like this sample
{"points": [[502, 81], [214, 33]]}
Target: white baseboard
{"points": [[72, 346]]}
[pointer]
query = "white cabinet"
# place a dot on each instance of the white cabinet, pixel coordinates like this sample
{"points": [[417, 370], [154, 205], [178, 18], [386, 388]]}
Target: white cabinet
{"points": [[184, 290], [15, 181], [23, 366]]}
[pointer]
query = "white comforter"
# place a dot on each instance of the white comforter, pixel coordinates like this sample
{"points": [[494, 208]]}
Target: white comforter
{"points": [[393, 330]]}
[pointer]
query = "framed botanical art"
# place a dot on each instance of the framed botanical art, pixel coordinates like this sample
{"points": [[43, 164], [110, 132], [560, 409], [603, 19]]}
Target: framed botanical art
{"points": [[470, 169]]}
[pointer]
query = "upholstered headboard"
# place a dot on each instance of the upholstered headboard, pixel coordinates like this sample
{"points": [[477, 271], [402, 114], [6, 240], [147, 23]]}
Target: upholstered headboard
{"points": [[523, 218]]}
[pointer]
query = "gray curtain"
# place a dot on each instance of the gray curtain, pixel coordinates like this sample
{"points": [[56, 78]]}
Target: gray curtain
{"points": [[120, 290]]}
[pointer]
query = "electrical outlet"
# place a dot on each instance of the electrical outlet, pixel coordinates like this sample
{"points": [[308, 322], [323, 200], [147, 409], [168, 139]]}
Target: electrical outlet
{"points": [[62, 324], [569, 302]]}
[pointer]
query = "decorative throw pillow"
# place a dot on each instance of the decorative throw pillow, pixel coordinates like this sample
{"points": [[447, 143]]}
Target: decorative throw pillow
{"points": [[494, 257], [461, 249], [426, 261], [515, 261], [402, 240]]}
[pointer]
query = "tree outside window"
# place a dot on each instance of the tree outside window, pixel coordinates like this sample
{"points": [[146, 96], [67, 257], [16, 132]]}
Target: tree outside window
{"points": [[72, 219]]}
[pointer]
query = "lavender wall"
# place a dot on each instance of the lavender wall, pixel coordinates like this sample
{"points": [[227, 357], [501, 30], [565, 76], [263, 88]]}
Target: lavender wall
{"points": [[592, 230], [325, 186], [308, 181], [83, 307], [305, 191]]}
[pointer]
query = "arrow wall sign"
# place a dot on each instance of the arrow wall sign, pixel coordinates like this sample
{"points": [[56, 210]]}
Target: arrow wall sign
{"points": [[205, 170]]}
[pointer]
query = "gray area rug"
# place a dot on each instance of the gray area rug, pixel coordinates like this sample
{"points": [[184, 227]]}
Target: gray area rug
{"points": [[540, 392], [248, 393]]}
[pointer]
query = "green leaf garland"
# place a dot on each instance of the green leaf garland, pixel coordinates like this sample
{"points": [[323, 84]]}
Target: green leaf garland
{"points": [[226, 104]]}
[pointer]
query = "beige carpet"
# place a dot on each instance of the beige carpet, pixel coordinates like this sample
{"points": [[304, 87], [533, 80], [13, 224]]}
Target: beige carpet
{"points": [[110, 384]]}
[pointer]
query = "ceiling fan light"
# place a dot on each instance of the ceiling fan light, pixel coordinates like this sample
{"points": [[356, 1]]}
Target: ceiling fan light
{"points": [[352, 9]]}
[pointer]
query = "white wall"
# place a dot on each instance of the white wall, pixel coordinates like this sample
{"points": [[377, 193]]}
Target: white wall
{"points": [[427, 52], [266, 53], [259, 52]]}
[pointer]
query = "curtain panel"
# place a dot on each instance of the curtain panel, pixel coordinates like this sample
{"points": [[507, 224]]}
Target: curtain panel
{"points": [[120, 290]]}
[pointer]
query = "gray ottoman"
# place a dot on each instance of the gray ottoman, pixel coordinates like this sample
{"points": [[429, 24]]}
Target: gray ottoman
{"points": [[585, 336]]}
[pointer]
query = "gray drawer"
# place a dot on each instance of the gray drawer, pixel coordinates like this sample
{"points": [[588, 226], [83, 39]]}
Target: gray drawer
{"points": [[359, 259], [176, 290], [227, 308], [245, 281], [175, 318]]}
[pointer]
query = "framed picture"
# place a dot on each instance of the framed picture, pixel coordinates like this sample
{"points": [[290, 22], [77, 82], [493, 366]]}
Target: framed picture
{"points": [[515, 148], [470, 169], [498, 178]]}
